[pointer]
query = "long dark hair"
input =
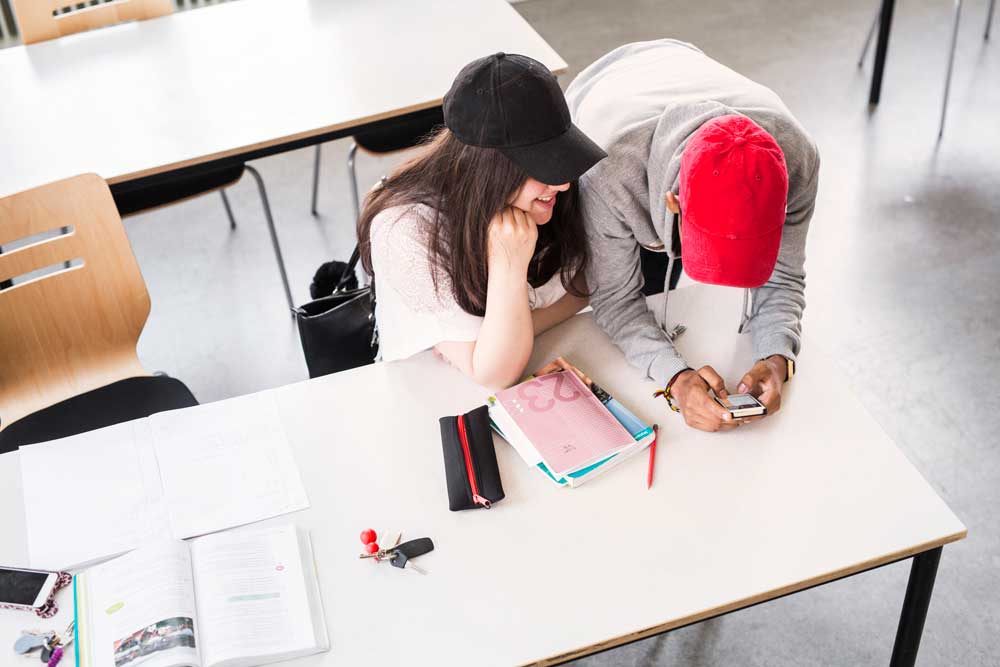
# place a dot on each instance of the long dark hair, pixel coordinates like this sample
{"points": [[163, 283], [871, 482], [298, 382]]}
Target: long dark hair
{"points": [[467, 186]]}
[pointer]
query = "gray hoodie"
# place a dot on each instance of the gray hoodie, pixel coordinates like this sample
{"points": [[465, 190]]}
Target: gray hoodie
{"points": [[641, 103]]}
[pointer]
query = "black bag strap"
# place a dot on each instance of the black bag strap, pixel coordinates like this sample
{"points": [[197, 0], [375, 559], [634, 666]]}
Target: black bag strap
{"points": [[349, 271], [356, 255]]}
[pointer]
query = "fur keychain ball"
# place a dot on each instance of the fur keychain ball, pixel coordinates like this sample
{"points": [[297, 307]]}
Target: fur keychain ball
{"points": [[326, 279]]}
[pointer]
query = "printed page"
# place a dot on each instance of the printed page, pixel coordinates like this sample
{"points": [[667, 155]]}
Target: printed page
{"points": [[225, 464], [90, 496], [251, 594], [142, 609]]}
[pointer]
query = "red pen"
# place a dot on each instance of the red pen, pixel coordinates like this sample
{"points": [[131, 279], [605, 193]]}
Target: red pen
{"points": [[652, 456]]}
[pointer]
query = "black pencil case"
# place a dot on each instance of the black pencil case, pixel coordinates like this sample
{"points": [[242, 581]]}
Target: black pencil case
{"points": [[470, 462]]}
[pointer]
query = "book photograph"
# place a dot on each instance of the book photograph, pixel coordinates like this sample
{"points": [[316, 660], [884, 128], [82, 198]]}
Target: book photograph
{"points": [[169, 633]]}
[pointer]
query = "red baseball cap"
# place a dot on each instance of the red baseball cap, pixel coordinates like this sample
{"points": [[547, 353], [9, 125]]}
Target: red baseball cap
{"points": [[733, 194]]}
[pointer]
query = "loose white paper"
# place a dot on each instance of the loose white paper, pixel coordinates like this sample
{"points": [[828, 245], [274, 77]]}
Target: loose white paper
{"points": [[90, 496], [225, 464], [177, 474]]}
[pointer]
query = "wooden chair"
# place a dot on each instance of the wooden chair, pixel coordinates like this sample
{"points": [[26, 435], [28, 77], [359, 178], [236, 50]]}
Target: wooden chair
{"points": [[40, 20], [68, 338]]}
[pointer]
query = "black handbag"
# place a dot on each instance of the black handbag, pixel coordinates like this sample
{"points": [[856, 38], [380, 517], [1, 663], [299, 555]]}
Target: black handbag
{"points": [[338, 331]]}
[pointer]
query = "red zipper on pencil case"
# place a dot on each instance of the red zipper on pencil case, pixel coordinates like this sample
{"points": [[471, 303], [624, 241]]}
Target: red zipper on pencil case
{"points": [[464, 439]]}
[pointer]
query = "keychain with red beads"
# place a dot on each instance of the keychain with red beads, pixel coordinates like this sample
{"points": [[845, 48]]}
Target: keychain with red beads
{"points": [[398, 555], [369, 538]]}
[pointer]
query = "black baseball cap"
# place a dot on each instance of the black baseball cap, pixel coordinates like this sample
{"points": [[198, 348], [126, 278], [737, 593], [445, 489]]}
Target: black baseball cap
{"points": [[513, 103]]}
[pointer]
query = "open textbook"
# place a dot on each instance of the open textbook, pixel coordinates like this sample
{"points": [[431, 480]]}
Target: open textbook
{"points": [[232, 599], [176, 474]]}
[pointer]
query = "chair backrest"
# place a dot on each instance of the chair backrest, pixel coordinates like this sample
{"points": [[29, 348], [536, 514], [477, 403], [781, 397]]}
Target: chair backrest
{"points": [[73, 329], [401, 135], [40, 20]]}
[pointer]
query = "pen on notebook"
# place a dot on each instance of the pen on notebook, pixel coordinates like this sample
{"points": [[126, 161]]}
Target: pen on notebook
{"points": [[652, 456]]}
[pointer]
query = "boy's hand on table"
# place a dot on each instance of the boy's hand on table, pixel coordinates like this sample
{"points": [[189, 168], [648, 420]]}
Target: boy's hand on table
{"points": [[765, 381], [691, 391]]}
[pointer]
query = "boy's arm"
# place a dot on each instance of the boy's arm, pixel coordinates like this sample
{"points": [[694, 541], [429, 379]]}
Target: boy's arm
{"points": [[615, 279]]}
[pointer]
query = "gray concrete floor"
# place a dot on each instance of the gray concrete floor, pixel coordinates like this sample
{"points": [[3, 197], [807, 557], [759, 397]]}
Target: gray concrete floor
{"points": [[904, 263]]}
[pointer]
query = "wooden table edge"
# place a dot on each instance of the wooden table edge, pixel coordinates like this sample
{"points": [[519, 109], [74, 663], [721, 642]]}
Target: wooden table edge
{"points": [[288, 139], [749, 601], [271, 143]]}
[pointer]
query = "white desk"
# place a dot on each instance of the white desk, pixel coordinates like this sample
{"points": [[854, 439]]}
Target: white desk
{"points": [[241, 79], [813, 494]]}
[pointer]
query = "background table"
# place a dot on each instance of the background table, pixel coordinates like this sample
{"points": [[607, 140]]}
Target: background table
{"points": [[243, 79], [815, 493]]}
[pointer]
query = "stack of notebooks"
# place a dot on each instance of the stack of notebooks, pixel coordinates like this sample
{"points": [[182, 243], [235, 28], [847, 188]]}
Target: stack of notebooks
{"points": [[569, 431]]}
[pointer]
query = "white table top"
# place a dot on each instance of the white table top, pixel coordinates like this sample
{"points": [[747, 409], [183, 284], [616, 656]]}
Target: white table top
{"points": [[140, 98], [816, 492]]}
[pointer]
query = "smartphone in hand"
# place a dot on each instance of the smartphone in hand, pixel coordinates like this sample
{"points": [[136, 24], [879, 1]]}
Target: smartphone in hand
{"points": [[742, 405]]}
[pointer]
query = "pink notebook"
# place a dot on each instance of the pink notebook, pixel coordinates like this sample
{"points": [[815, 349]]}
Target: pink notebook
{"points": [[565, 422]]}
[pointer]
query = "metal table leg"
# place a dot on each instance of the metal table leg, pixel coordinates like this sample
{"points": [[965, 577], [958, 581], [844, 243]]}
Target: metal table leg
{"points": [[918, 598], [274, 237], [881, 48], [229, 209], [951, 66], [315, 179]]}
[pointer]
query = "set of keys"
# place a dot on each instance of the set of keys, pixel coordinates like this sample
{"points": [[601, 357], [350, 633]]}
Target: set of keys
{"points": [[398, 555], [52, 645]]}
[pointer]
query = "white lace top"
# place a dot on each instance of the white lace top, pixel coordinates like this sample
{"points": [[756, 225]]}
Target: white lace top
{"points": [[412, 316]]}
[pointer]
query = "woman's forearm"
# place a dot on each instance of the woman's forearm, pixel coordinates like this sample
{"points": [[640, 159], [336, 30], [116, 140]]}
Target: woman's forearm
{"points": [[503, 345], [507, 335]]}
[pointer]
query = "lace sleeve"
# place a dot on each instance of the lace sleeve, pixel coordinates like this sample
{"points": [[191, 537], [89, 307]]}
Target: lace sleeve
{"points": [[400, 239]]}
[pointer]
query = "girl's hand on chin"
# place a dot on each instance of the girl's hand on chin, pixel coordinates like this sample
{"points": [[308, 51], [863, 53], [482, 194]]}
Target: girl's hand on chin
{"points": [[512, 239]]}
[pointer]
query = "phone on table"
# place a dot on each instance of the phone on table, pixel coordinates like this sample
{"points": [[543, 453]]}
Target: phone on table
{"points": [[28, 589], [742, 405]]}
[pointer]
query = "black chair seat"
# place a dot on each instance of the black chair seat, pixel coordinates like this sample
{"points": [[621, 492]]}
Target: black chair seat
{"points": [[118, 402], [402, 135], [132, 199]]}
